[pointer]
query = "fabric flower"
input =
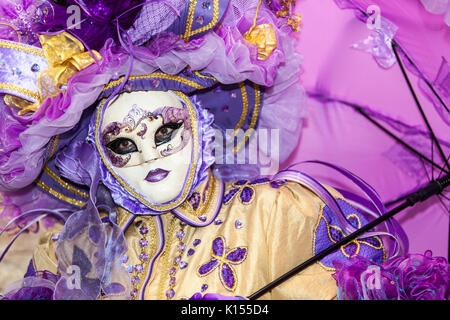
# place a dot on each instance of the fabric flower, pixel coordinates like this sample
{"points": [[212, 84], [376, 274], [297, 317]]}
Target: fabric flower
{"points": [[411, 277]]}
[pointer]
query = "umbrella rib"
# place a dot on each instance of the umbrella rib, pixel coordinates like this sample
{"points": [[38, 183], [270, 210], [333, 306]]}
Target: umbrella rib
{"points": [[395, 43], [381, 127], [419, 106], [403, 143]]}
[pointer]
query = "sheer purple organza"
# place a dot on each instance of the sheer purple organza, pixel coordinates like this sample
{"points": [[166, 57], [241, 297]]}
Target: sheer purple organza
{"points": [[410, 277], [87, 248], [30, 288]]}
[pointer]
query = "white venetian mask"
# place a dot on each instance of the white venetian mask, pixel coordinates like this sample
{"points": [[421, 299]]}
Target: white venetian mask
{"points": [[147, 138]]}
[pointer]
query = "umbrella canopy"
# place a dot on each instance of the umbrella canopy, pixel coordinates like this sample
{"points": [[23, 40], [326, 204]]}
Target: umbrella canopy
{"points": [[356, 86]]}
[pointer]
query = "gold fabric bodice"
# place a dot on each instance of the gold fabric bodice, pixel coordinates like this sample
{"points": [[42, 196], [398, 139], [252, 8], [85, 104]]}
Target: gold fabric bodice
{"points": [[236, 238]]}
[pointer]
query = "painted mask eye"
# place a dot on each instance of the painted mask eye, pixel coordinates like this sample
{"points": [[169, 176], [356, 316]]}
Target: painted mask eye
{"points": [[164, 133], [122, 146]]}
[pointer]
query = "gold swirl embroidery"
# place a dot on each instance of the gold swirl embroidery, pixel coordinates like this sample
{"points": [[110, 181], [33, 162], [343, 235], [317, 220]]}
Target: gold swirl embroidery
{"points": [[155, 75], [205, 205], [58, 195], [190, 178], [357, 241]]}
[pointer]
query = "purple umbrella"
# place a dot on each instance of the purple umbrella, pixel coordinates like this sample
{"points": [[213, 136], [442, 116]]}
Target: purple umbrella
{"points": [[377, 77], [378, 85]]}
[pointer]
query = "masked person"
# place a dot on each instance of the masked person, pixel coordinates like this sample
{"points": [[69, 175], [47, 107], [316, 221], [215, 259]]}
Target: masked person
{"points": [[124, 150]]}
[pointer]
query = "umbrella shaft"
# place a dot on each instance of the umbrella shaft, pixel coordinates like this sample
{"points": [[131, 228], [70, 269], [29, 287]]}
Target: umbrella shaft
{"points": [[433, 188]]}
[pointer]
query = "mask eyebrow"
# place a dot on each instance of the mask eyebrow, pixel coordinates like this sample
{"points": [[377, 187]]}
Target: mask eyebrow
{"points": [[175, 115]]}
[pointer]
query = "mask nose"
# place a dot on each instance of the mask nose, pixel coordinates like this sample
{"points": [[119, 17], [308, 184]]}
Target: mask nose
{"points": [[150, 153]]}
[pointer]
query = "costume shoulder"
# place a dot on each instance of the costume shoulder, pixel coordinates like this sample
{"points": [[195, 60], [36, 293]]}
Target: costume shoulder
{"points": [[328, 228], [298, 225]]}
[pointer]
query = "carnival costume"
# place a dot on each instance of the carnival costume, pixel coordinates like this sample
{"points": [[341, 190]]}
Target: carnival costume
{"points": [[115, 133]]}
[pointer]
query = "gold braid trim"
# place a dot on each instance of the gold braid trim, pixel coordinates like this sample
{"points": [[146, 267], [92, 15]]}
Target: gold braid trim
{"points": [[64, 184], [20, 47], [28, 93], [155, 75], [58, 195], [255, 116]]}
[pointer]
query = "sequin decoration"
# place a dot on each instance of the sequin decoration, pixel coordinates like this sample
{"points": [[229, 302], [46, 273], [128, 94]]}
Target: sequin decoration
{"points": [[177, 261], [199, 19], [194, 200], [136, 271], [277, 183], [35, 68], [224, 259], [206, 5]]}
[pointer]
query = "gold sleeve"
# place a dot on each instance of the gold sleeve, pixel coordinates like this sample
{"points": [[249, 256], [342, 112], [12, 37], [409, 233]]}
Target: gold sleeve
{"points": [[290, 226], [44, 257]]}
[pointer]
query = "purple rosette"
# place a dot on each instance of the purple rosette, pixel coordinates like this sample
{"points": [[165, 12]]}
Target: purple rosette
{"points": [[410, 277]]}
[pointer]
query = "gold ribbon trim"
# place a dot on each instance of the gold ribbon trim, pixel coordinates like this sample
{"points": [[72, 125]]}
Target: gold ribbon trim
{"points": [[65, 56]]}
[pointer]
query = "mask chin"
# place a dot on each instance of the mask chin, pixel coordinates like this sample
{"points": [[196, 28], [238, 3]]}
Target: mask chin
{"points": [[159, 176]]}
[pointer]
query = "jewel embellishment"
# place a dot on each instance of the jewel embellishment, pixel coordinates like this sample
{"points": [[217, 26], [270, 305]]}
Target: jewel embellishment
{"points": [[136, 271], [200, 20], [224, 260], [206, 5], [156, 83], [143, 242], [35, 67], [177, 262], [194, 200]]}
